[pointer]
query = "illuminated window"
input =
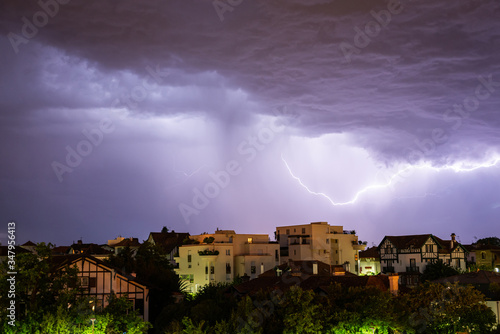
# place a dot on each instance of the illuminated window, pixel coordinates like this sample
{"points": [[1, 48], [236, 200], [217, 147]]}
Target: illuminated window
{"points": [[250, 240]]}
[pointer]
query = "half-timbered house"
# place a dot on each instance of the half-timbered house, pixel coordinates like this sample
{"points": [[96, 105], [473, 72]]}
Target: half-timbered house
{"points": [[408, 255], [99, 280]]}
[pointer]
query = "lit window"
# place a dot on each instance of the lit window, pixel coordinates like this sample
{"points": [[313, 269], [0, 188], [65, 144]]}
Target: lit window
{"points": [[250, 240]]}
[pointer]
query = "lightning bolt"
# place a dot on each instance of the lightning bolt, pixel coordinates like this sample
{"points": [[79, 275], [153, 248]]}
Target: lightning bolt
{"points": [[460, 168]]}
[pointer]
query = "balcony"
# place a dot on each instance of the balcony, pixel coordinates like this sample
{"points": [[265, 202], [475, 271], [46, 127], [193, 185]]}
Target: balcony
{"points": [[208, 252], [412, 269], [388, 270]]}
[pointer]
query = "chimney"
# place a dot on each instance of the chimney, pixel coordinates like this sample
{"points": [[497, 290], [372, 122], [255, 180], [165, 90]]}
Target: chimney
{"points": [[452, 242], [80, 242], [393, 284]]}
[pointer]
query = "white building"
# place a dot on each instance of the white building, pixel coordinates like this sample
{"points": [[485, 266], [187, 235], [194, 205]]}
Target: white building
{"points": [[410, 254], [320, 241], [369, 261], [223, 256]]}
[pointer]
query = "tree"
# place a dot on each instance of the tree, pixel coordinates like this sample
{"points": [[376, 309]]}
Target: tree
{"points": [[39, 288], [52, 301], [490, 241], [436, 308], [437, 270]]}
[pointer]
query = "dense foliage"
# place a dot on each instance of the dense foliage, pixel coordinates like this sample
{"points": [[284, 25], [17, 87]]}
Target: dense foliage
{"points": [[430, 308], [48, 301], [436, 270]]}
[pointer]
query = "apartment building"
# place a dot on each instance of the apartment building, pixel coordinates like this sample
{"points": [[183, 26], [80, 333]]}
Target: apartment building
{"points": [[322, 242], [223, 256]]}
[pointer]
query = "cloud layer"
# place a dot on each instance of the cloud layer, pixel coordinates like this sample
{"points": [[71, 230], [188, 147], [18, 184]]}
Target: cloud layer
{"points": [[347, 94]]}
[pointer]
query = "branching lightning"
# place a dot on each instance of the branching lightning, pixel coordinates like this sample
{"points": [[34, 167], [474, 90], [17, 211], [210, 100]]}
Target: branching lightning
{"points": [[458, 168]]}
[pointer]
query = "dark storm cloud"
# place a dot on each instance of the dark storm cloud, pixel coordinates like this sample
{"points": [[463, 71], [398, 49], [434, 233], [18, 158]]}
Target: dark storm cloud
{"points": [[185, 89]]}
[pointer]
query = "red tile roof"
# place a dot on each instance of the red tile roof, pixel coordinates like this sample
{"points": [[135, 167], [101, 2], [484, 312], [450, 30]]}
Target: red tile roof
{"points": [[371, 252]]}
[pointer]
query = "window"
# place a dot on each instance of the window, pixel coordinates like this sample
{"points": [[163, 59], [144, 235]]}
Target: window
{"points": [[303, 230], [228, 252], [189, 256], [228, 268], [413, 263], [288, 231], [429, 248], [250, 240], [139, 306], [84, 281], [294, 230], [253, 269], [212, 270], [327, 241], [276, 255], [483, 255], [92, 282], [206, 270], [294, 252]]}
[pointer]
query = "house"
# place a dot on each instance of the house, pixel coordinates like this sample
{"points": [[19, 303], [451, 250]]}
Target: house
{"points": [[4, 252], [484, 256], [95, 250], [223, 256], [312, 275], [408, 255], [132, 243], [99, 280], [369, 261], [487, 282], [322, 242], [30, 246], [169, 243]]}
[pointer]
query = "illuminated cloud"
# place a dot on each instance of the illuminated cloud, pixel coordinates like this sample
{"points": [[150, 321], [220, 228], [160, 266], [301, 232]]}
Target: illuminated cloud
{"points": [[184, 90]]}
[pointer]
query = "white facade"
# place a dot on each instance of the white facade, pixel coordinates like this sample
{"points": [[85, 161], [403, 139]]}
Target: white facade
{"points": [[320, 241], [228, 256], [398, 255]]}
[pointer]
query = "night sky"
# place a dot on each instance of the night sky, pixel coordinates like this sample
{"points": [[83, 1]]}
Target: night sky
{"points": [[118, 118]]}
